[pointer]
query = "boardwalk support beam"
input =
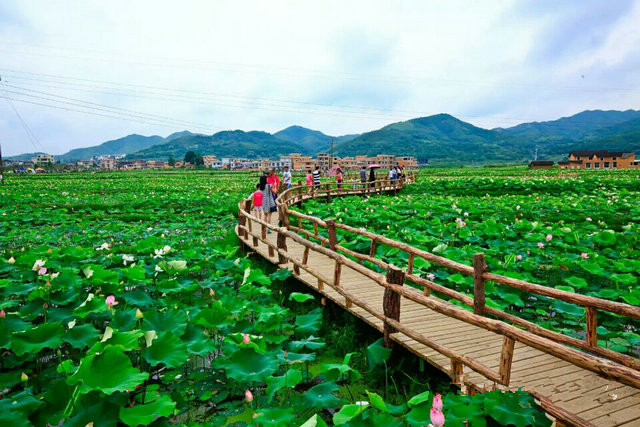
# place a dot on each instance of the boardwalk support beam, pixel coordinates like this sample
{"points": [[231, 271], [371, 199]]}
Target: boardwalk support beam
{"points": [[282, 244], [391, 302], [505, 360], [479, 268], [333, 239]]}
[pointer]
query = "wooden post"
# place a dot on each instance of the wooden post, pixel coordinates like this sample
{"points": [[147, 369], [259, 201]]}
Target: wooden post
{"points": [[592, 325], [320, 285], [457, 369], [391, 302], [331, 228], [372, 248], [336, 274], [242, 221], [282, 244], [255, 242], [329, 192], [299, 204], [305, 255], [505, 360], [410, 264], [479, 267], [284, 217], [247, 208], [263, 232]]}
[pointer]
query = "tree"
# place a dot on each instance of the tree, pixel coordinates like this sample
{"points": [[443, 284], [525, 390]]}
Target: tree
{"points": [[198, 161], [189, 157], [171, 161]]}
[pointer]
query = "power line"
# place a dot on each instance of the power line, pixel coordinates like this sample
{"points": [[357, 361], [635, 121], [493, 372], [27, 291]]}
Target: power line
{"points": [[30, 135]]}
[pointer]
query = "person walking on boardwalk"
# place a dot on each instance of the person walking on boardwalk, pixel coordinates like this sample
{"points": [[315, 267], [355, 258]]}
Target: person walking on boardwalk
{"points": [[363, 176], [286, 177], [339, 178], [274, 181], [372, 177], [309, 180], [268, 201], [316, 178], [257, 199]]}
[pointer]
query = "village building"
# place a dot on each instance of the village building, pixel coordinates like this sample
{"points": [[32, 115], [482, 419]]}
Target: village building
{"points": [[211, 161], [301, 163], [407, 162], [541, 164], [155, 164], [600, 159], [108, 163], [42, 159]]}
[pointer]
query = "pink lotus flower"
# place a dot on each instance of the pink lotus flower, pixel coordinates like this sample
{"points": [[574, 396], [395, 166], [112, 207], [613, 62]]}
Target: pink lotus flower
{"points": [[437, 417], [111, 301], [248, 396], [519, 257], [42, 271], [518, 207], [589, 219], [584, 255], [540, 245], [2, 314], [38, 264], [246, 339], [437, 401], [549, 237], [431, 276]]}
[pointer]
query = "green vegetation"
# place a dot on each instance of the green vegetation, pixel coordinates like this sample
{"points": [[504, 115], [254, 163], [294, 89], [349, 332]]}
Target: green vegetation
{"points": [[124, 298], [576, 233]]}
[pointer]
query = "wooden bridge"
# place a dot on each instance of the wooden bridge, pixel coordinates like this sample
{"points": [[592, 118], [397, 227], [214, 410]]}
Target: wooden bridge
{"points": [[577, 382]]}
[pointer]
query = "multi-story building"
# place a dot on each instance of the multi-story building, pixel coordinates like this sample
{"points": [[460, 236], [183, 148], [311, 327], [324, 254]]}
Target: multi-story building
{"points": [[85, 164], [284, 161], [108, 163], [43, 158], [600, 159], [300, 162], [407, 162], [323, 160], [139, 164], [210, 159], [155, 164]]}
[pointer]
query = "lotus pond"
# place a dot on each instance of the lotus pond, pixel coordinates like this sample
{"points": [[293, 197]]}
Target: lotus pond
{"points": [[125, 299]]}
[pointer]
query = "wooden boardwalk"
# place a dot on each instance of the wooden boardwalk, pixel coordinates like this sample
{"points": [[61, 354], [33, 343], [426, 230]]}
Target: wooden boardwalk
{"points": [[570, 393]]}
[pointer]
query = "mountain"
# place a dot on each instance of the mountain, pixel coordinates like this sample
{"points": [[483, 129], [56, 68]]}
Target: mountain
{"points": [[25, 157], [234, 143], [313, 141], [441, 137], [574, 127]]}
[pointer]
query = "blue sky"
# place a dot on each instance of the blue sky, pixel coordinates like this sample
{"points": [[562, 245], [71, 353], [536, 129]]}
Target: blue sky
{"points": [[155, 67]]}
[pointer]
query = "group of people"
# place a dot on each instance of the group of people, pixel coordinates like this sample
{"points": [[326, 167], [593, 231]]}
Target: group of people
{"points": [[267, 190], [270, 185]]}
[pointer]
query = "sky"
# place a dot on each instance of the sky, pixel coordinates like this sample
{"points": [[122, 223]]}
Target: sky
{"points": [[76, 74]]}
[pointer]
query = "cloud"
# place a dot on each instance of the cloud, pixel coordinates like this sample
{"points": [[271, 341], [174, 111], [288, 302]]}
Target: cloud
{"points": [[154, 67]]}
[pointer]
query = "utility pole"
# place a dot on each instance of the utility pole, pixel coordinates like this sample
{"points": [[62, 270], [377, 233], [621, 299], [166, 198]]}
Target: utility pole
{"points": [[535, 155], [331, 156], [1, 167]]}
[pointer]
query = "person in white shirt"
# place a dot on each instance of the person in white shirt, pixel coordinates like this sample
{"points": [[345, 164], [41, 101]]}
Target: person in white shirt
{"points": [[286, 177]]}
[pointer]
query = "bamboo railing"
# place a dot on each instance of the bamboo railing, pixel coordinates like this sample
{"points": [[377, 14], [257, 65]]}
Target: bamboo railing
{"points": [[586, 353]]}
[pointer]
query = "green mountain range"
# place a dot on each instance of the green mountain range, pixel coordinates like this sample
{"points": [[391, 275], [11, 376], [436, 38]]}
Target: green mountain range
{"points": [[440, 138]]}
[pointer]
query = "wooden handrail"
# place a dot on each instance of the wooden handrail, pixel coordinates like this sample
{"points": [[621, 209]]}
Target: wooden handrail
{"points": [[606, 368], [621, 367]]}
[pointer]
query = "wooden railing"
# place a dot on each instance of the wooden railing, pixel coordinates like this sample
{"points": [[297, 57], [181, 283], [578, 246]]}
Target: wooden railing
{"points": [[603, 361]]}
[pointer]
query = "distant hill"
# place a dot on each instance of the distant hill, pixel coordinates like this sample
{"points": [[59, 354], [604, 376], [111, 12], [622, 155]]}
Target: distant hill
{"points": [[235, 143], [439, 137], [313, 141], [126, 145], [25, 157]]}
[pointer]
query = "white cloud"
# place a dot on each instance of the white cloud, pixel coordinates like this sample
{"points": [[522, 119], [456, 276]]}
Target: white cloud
{"points": [[340, 67]]}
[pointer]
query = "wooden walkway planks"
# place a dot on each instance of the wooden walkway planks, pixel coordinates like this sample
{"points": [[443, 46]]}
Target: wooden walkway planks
{"points": [[571, 388]]}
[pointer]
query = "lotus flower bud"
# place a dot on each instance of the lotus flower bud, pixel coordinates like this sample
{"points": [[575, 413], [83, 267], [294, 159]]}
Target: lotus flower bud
{"points": [[246, 339], [139, 314], [24, 378], [12, 260], [248, 396]]}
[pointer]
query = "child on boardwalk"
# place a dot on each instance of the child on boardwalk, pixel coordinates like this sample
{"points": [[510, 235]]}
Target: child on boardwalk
{"points": [[257, 198]]}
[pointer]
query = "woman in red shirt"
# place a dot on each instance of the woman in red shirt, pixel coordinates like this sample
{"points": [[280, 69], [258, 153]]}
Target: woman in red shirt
{"points": [[257, 201]]}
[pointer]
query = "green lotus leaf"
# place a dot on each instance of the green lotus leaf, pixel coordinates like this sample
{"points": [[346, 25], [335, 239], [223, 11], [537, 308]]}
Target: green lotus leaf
{"points": [[292, 378], [215, 317], [125, 341], [275, 417], [312, 343], [81, 336], [147, 413], [300, 297], [138, 298], [255, 276], [377, 401], [321, 396], [246, 365], [307, 324], [197, 341], [418, 415], [134, 273], [168, 350], [174, 321], [47, 335], [314, 421], [377, 354], [419, 398], [108, 372], [348, 412], [576, 282], [91, 304]]}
